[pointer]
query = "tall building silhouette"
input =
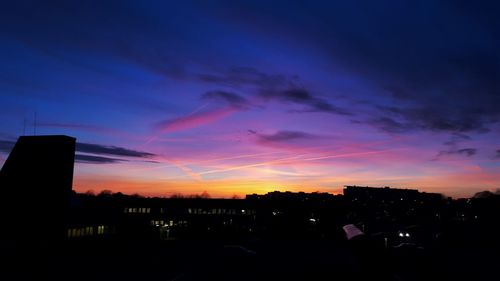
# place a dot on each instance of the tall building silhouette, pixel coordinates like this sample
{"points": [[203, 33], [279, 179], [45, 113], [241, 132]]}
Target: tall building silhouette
{"points": [[35, 186]]}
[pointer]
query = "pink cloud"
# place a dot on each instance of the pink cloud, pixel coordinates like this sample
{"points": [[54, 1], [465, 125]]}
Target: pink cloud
{"points": [[194, 120]]}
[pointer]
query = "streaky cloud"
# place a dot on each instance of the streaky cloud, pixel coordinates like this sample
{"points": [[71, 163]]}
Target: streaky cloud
{"points": [[303, 97], [95, 149], [463, 151], [93, 159], [284, 136], [497, 155], [228, 98], [269, 87], [194, 120], [111, 150], [247, 76]]}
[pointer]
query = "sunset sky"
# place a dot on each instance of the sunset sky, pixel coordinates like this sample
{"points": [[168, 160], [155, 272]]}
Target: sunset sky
{"points": [[238, 97]]}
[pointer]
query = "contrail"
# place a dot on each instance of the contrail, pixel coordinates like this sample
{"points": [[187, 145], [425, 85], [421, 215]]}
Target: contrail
{"points": [[348, 154], [288, 159]]}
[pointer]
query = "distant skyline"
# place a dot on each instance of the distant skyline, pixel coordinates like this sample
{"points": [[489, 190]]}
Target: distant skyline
{"points": [[239, 97]]}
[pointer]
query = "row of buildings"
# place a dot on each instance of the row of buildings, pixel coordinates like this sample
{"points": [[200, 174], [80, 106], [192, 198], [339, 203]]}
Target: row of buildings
{"points": [[38, 204]]}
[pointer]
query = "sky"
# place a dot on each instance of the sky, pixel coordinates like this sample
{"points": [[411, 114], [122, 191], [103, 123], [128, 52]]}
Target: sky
{"points": [[239, 97]]}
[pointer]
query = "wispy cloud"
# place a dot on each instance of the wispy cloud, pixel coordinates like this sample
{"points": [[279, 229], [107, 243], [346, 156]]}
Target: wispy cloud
{"points": [[285, 136], [111, 150], [228, 98], [463, 151], [290, 140], [389, 124], [429, 117], [271, 87], [301, 96], [238, 77], [93, 159], [497, 154], [456, 138], [194, 120], [298, 159], [93, 153]]}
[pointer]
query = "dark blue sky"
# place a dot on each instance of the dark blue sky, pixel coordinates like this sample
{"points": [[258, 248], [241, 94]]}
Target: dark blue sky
{"points": [[249, 96]]}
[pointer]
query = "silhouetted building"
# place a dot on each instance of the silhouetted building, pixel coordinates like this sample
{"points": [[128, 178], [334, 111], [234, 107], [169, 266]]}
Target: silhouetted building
{"points": [[363, 193], [36, 182]]}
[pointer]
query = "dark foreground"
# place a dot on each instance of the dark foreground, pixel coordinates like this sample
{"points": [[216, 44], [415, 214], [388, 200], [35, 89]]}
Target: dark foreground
{"points": [[287, 259]]}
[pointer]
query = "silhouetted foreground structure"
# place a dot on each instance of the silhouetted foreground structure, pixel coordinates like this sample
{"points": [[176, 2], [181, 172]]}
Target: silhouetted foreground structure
{"points": [[365, 234], [36, 182], [366, 193]]}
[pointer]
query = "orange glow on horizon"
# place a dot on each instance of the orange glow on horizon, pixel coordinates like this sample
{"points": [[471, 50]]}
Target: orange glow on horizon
{"points": [[216, 189]]}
